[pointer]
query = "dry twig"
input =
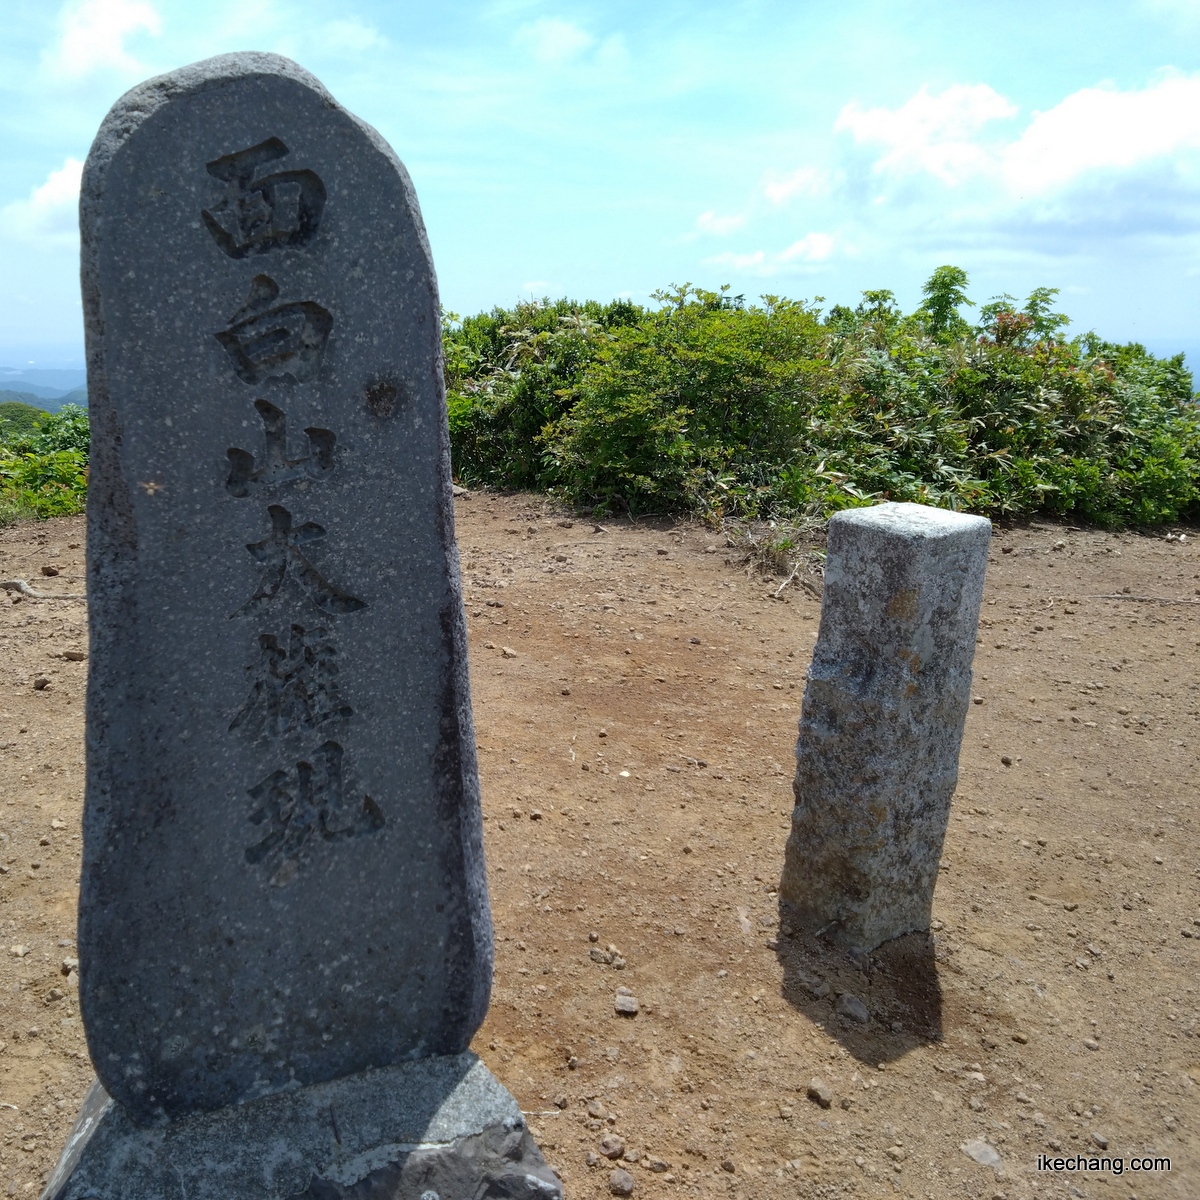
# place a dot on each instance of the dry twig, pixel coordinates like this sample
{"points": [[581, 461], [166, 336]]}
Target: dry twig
{"points": [[22, 586], [1143, 599]]}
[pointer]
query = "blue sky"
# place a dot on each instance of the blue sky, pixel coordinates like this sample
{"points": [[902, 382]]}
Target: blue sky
{"points": [[604, 149]]}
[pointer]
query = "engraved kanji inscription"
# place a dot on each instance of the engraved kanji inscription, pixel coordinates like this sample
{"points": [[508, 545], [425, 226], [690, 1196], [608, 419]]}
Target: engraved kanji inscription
{"points": [[295, 686], [305, 803], [275, 467], [266, 340], [285, 562], [263, 212]]}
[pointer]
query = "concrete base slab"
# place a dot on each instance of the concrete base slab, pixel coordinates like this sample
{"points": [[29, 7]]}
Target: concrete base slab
{"points": [[432, 1129]]}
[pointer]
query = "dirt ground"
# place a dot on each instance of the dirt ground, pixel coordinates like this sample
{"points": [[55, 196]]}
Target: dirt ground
{"points": [[636, 694]]}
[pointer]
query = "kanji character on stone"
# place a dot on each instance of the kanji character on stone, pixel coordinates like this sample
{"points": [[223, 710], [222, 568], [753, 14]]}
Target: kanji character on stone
{"points": [[284, 561]]}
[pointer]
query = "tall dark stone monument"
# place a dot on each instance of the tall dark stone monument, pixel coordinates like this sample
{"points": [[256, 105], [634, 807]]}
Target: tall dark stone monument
{"points": [[284, 930]]}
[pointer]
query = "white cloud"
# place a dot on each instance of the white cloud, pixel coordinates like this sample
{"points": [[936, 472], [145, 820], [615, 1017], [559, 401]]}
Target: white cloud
{"points": [[51, 213], [754, 261], [1184, 10], [350, 36], [1103, 129], [92, 36], [553, 42], [804, 181], [1096, 130], [812, 247], [934, 134], [612, 53], [709, 222]]}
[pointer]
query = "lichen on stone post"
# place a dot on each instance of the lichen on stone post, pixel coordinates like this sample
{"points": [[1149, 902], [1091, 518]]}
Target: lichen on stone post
{"points": [[882, 720]]}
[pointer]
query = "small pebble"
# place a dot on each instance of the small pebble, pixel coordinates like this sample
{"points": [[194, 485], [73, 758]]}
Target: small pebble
{"points": [[1100, 1140], [612, 1145], [1091, 1043], [819, 1091], [981, 1152], [852, 1008], [620, 1183], [625, 1005]]}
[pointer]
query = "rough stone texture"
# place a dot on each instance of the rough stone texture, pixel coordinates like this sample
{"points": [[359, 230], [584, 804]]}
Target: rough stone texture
{"points": [[882, 720], [621, 1183], [283, 876], [440, 1124]]}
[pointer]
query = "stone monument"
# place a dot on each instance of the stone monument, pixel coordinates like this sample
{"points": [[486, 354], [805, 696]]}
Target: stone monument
{"points": [[882, 720], [285, 940]]}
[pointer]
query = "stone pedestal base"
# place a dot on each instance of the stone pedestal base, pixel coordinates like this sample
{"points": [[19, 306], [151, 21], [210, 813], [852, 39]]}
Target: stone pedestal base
{"points": [[432, 1129]]}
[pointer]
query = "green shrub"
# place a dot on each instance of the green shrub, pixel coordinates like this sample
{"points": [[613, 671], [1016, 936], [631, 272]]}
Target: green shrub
{"points": [[711, 406], [697, 407], [43, 470], [508, 376], [18, 419], [707, 405]]}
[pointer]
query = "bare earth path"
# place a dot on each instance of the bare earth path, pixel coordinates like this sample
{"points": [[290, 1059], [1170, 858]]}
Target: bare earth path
{"points": [[636, 698]]}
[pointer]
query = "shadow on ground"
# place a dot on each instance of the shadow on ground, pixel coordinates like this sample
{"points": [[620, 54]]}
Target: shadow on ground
{"points": [[896, 988]]}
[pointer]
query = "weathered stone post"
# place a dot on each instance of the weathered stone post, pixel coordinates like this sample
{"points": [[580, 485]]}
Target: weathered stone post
{"points": [[285, 940], [882, 720]]}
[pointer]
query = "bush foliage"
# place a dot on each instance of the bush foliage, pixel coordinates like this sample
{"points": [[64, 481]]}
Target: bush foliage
{"points": [[712, 406], [43, 464]]}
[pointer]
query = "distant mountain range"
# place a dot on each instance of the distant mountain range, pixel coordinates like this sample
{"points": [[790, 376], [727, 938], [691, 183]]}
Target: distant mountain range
{"points": [[46, 403], [43, 387]]}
